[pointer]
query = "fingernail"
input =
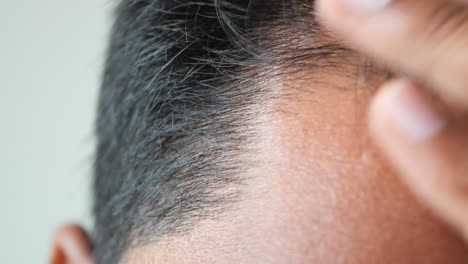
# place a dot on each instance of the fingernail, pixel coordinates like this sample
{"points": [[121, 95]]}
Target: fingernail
{"points": [[414, 113], [366, 6]]}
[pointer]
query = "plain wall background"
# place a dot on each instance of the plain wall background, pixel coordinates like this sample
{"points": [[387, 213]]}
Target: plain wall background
{"points": [[51, 54]]}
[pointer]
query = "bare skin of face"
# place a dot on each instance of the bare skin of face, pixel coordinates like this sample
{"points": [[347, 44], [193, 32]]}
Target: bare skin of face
{"points": [[322, 195], [322, 192]]}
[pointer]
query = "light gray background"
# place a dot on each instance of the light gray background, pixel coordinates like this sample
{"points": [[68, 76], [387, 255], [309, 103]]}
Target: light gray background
{"points": [[51, 52]]}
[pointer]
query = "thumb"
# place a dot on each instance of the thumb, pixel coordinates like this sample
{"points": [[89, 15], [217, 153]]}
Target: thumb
{"points": [[427, 148]]}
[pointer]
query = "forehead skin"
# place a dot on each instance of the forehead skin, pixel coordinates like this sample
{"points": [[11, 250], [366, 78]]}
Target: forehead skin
{"points": [[323, 195]]}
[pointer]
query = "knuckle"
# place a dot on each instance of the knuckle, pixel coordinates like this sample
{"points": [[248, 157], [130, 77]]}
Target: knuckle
{"points": [[445, 22], [444, 32]]}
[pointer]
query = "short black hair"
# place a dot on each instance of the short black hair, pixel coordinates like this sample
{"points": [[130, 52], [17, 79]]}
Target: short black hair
{"points": [[183, 85]]}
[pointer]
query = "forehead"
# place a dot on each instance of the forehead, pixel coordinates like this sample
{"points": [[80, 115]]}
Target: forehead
{"points": [[321, 195]]}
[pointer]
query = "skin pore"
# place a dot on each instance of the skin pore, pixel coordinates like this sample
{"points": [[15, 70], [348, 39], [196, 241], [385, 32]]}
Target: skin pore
{"points": [[323, 194]]}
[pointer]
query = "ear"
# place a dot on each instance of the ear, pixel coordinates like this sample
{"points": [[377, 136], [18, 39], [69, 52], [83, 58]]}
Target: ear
{"points": [[72, 246]]}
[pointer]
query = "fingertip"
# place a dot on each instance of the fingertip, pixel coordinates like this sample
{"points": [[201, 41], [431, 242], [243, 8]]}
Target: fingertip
{"points": [[331, 13], [379, 121], [409, 110]]}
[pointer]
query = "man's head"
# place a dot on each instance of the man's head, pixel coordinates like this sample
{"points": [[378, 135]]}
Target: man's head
{"points": [[233, 131]]}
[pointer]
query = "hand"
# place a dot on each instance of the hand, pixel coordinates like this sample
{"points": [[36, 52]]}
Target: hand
{"points": [[428, 40]]}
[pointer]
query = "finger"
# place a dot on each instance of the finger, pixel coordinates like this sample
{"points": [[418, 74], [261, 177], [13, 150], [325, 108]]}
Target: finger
{"points": [[429, 150], [426, 39]]}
